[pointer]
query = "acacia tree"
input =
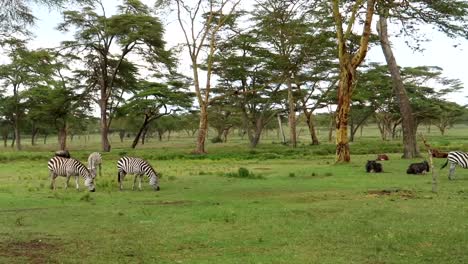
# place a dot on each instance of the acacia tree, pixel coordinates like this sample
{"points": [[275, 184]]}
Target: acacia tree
{"points": [[450, 17], [349, 62], [106, 42], [155, 100], [27, 68], [211, 16]]}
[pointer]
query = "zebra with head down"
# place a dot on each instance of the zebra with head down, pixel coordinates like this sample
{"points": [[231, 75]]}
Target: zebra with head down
{"points": [[139, 167], [59, 166]]}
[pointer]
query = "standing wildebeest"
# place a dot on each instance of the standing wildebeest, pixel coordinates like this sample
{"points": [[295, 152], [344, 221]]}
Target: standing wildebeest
{"points": [[62, 153], [418, 168], [456, 157], [373, 166]]}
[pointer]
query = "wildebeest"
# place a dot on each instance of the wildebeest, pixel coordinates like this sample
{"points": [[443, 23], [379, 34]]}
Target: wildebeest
{"points": [[418, 168], [438, 154], [382, 157], [373, 166], [62, 153]]}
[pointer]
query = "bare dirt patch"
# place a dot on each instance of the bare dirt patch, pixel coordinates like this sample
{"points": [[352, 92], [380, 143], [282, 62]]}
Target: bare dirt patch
{"points": [[34, 251], [165, 203], [392, 192]]}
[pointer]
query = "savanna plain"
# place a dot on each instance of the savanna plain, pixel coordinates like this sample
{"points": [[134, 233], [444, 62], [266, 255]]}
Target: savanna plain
{"points": [[271, 204]]}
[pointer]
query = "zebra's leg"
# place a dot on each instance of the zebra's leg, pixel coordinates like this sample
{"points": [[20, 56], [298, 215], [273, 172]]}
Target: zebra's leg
{"points": [[66, 182], [121, 176], [52, 180], [134, 181], [77, 184], [139, 181], [452, 171]]}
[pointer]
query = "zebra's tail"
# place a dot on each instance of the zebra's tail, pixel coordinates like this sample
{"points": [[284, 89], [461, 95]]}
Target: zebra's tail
{"points": [[445, 164]]}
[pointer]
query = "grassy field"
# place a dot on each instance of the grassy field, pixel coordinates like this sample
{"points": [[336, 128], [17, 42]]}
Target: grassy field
{"points": [[297, 206]]}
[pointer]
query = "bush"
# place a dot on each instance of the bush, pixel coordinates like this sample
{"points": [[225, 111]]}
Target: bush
{"points": [[216, 140], [243, 173]]}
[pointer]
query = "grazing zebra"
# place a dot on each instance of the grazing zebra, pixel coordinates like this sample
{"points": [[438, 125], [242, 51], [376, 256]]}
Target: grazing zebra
{"points": [[62, 153], [59, 166], [139, 167], [456, 157], [95, 159]]}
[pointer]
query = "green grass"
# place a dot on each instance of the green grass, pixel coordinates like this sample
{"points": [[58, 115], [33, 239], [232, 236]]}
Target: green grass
{"points": [[298, 208]]}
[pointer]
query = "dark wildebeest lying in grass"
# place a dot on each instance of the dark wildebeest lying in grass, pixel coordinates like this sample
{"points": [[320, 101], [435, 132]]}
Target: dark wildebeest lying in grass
{"points": [[418, 168], [62, 153], [438, 154], [382, 157], [373, 166]]}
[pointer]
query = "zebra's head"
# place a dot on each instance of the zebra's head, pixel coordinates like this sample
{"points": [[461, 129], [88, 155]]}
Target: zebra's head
{"points": [[154, 181], [89, 182]]}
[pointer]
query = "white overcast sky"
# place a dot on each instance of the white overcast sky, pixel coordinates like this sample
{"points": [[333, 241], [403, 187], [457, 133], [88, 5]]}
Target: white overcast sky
{"points": [[440, 51]]}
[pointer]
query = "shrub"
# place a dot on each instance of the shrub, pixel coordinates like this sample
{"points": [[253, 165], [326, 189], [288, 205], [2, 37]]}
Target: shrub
{"points": [[216, 140]]}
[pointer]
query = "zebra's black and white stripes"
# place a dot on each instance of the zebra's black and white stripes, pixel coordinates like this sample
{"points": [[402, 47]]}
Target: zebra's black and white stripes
{"points": [[454, 158], [59, 166], [95, 160], [139, 167]]}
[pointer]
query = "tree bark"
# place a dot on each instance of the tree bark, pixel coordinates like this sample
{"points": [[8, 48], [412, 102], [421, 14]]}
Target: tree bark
{"points": [[410, 146], [105, 144], [140, 132], [17, 135], [202, 130], [62, 137], [280, 127], [330, 128], [348, 64], [34, 134], [292, 116], [311, 126], [342, 112]]}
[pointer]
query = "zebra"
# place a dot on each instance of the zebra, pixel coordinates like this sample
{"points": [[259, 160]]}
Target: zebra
{"points": [[94, 159], [139, 167], [456, 157], [59, 166]]}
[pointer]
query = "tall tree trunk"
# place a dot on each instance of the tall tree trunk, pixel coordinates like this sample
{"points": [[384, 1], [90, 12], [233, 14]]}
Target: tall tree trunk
{"points": [[349, 61], [347, 76], [62, 137], [17, 135], [45, 138], [34, 131], [225, 133], [292, 116], [202, 130], [143, 135], [311, 126], [13, 140], [280, 126], [121, 135], [330, 128], [140, 132], [105, 144], [410, 149]]}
